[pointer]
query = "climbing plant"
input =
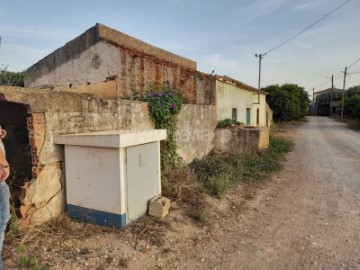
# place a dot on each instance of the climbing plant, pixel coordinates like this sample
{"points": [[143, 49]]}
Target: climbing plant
{"points": [[164, 104]]}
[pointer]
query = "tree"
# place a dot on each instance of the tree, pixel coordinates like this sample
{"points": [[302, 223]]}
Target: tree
{"points": [[352, 107], [11, 78], [288, 101], [352, 91]]}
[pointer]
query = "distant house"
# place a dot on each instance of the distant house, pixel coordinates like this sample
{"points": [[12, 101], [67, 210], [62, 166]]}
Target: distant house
{"points": [[241, 102], [324, 104]]}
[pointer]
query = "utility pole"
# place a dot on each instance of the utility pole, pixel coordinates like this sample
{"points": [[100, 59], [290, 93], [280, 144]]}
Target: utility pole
{"points": [[313, 103], [261, 56], [343, 94], [332, 94]]}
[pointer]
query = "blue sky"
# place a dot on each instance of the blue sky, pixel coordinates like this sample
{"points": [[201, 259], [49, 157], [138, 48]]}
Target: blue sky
{"points": [[218, 35]]}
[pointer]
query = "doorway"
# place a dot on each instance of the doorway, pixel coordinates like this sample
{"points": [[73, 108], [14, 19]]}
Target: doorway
{"points": [[248, 112], [13, 118]]}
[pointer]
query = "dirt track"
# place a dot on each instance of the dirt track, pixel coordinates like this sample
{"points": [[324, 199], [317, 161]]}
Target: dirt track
{"points": [[308, 216]]}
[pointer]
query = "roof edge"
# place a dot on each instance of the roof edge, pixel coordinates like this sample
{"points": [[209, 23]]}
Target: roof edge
{"points": [[126, 41], [229, 80]]}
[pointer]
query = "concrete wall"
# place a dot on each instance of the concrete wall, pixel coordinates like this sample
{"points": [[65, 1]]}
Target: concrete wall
{"points": [[195, 131], [242, 141]]}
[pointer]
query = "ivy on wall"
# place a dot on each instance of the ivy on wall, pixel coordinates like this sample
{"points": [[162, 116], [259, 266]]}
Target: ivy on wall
{"points": [[164, 104]]}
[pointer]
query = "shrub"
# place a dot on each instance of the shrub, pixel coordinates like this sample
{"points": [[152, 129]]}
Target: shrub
{"points": [[217, 172], [228, 123]]}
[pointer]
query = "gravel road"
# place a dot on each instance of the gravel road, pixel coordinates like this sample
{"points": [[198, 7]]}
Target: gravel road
{"points": [[307, 216]]}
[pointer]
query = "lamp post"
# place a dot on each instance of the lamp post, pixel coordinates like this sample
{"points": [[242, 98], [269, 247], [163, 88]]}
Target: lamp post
{"points": [[261, 56]]}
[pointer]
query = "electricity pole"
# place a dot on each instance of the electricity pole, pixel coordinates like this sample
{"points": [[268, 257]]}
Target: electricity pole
{"points": [[332, 93], [261, 56], [343, 94], [313, 103]]}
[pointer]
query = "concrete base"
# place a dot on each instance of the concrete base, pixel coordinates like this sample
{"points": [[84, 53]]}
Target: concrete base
{"points": [[96, 217]]}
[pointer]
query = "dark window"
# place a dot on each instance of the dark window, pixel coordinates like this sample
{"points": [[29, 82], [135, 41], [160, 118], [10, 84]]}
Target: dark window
{"points": [[234, 114], [257, 116]]}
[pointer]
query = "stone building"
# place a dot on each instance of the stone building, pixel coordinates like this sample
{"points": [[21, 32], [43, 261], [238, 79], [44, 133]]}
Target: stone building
{"points": [[81, 87]]}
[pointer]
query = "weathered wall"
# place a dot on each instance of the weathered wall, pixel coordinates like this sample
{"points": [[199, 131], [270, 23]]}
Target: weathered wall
{"points": [[242, 141], [262, 110], [230, 96], [195, 131], [53, 113], [103, 54]]}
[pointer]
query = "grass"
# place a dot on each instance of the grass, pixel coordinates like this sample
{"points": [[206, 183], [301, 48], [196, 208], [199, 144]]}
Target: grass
{"points": [[218, 171]]}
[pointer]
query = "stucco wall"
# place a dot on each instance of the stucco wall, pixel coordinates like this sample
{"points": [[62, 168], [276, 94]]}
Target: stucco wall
{"points": [[229, 96], [94, 65], [195, 131]]}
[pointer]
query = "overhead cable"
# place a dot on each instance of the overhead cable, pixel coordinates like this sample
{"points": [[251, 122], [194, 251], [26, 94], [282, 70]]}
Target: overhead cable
{"points": [[307, 28]]}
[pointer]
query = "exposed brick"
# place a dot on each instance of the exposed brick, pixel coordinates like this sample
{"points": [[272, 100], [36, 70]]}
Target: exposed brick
{"points": [[144, 107]]}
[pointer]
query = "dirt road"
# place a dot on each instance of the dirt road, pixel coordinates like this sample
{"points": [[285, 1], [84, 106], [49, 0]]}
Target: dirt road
{"points": [[308, 216]]}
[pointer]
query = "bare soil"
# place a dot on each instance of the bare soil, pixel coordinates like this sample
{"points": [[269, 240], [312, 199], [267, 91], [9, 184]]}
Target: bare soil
{"points": [[305, 217]]}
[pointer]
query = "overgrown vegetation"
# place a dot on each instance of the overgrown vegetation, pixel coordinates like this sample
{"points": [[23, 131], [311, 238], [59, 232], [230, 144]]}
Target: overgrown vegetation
{"points": [[352, 103], [180, 185], [164, 104], [11, 78], [288, 101], [218, 172], [228, 123]]}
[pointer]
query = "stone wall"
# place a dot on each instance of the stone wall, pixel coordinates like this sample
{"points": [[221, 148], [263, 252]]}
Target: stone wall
{"points": [[242, 141], [53, 113]]}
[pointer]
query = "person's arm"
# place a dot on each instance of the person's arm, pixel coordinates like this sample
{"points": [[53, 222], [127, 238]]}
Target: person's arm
{"points": [[4, 167]]}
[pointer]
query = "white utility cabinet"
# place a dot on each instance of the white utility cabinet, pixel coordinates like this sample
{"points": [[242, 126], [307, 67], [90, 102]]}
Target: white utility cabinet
{"points": [[111, 176]]}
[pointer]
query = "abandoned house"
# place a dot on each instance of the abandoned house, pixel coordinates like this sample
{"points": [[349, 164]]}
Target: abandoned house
{"points": [[84, 87]]}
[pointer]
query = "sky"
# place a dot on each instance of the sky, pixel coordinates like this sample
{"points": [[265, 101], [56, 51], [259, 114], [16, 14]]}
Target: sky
{"points": [[223, 36]]}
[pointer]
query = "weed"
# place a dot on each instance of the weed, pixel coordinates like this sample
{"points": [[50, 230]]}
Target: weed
{"points": [[31, 262], [12, 227], [218, 172], [228, 123]]}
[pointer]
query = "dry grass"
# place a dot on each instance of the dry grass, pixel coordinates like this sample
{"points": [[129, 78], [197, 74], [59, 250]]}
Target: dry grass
{"points": [[181, 186]]}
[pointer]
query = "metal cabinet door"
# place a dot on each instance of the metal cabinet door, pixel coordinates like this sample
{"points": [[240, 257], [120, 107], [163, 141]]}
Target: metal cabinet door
{"points": [[142, 178]]}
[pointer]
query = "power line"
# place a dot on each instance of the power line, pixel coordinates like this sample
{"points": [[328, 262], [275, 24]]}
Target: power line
{"points": [[354, 63], [301, 32]]}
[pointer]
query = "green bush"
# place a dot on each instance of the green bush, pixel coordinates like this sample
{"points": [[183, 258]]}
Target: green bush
{"points": [[228, 123], [11, 78], [352, 107], [288, 101]]}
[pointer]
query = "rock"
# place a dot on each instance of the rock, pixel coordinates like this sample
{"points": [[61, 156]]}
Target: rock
{"points": [[53, 209], [46, 186]]}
